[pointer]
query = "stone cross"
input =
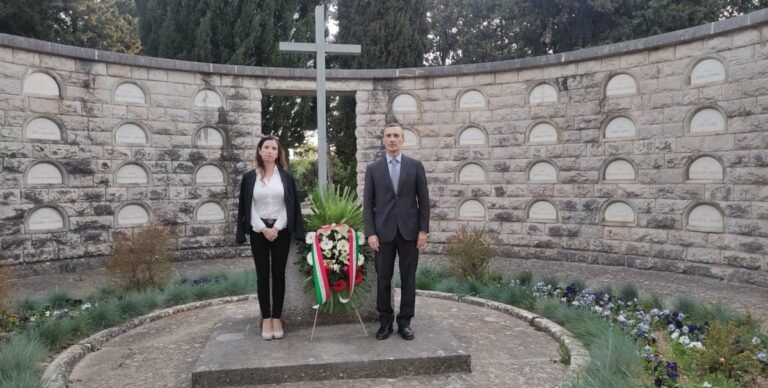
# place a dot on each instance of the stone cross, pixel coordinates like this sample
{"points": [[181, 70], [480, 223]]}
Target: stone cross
{"points": [[320, 48]]}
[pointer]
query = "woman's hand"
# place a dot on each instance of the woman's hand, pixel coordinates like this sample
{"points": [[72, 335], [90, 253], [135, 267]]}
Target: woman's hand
{"points": [[269, 233]]}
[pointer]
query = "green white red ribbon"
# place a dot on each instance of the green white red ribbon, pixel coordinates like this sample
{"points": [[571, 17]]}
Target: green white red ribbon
{"points": [[354, 247], [322, 288]]}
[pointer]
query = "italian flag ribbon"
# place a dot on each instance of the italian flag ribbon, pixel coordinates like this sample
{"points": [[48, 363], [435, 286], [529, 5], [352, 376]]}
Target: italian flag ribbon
{"points": [[354, 247], [322, 288]]}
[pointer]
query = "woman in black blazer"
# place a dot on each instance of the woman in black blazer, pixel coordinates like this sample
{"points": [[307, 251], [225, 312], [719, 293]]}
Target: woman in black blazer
{"points": [[269, 212]]}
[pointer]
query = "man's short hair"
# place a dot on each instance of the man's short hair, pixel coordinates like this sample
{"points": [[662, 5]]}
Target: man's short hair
{"points": [[392, 125]]}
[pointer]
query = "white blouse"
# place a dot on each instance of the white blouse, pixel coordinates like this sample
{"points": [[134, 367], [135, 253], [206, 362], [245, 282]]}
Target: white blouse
{"points": [[268, 202]]}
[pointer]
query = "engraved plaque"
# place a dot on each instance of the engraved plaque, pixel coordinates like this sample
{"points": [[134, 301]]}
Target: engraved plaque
{"points": [[542, 172], [208, 99], [472, 209], [130, 134], [410, 139], [619, 212], [41, 84], [44, 174], [705, 217], [707, 120], [46, 218], [405, 103], [621, 85], [472, 173], [542, 210], [620, 170], [209, 175], [705, 168], [209, 137], [707, 71], [210, 211], [620, 127], [543, 94], [472, 99], [128, 92], [472, 136], [132, 173], [42, 129], [132, 215], [543, 133]]}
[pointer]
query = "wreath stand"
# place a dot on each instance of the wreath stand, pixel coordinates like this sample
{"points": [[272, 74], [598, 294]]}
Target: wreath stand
{"points": [[317, 312]]}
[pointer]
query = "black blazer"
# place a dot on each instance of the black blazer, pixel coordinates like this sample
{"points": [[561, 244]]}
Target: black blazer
{"points": [[385, 211], [292, 206]]}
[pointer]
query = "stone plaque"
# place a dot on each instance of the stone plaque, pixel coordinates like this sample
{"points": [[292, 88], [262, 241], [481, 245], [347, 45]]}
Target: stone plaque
{"points": [[43, 129], [405, 103], [542, 210], [132, 215], [46, 218], [210, 211], [705, 168], [41, 84], [44, 174], [130, 134], [543, 133], [705, 217], [132, 173], [707, 120], [707, 71], [472, 173], [472, 136], [209, 137], [209, 175], [208, 99], [543, 94], [472, 209], [128, 92], [620, 127], [472, 99], [410, 139], [542, 172], [619, 212], [621, 85], [620, 170]]}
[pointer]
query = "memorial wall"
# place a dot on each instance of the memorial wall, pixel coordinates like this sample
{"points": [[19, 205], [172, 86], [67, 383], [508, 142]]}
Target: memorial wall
{"points": [[649, 154]]}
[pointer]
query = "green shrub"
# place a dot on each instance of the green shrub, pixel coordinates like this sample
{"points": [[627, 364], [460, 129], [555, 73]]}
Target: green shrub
{"points": [[726, 352], [628, 291], [59, 299], [334, 205], [614, 362], [525, 278], [27, 306], [142, 260], [21, 353], [469, 253], [177, 294], [238, 284], [551, 280], [102, 316], [428, 277], [57, 333], [519, 297], [5, 277], [132, 305], [650, 302]]}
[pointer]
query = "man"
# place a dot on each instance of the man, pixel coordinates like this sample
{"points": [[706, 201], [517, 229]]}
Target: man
{"points": [[396, 213]]}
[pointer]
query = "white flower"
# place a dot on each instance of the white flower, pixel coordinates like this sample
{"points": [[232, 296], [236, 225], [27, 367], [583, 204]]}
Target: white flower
{"points": [[309, 258], [344, 229], [621, 318], [671, 328], [597, 309], [685, 329], [706, 385], [32, 318], [361, 237], [47, 313], [342, 245], [310, 238], [360, 259], [85, 306], [336, 267], [762, 357], [695, 345], [755, 340], [575, 303], [326, 244], [675, 335], [684, 340]]}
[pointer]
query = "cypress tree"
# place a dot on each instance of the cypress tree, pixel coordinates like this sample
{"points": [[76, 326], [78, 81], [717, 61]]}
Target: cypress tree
{"points": [[203, 49]]}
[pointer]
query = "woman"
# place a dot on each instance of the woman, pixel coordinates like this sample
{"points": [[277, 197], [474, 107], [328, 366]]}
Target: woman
{"points": [[269, 211]]}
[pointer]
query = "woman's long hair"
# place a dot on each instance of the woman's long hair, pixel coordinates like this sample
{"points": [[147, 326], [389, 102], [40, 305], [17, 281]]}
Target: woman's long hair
{"points": [[279, 160]]}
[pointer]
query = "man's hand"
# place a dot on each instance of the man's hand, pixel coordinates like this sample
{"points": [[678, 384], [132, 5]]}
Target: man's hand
{"points": [[422, 242], [373, 242]]}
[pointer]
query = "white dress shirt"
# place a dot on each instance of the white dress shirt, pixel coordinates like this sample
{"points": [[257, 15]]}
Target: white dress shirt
{"points": [[268, 202]]}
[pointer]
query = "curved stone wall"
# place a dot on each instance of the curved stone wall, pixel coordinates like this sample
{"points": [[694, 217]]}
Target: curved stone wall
{"points": [[650, 153]]}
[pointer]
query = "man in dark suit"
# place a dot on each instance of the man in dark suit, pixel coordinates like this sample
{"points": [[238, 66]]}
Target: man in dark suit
{"points": [[396, 213]]}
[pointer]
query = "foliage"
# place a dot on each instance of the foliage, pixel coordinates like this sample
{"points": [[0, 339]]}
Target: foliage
{"points": [[337, 205], [628, 291], [5, 277], [20, 360], [469, 253], [142, 260], [727, 352]]}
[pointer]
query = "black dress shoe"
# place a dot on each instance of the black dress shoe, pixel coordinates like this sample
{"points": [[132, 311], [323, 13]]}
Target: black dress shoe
{"points": [[384, 332], [406, 332]]}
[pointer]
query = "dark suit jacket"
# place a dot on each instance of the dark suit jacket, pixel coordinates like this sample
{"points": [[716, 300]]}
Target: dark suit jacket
{"points": [[292, 206], [385, 211]]}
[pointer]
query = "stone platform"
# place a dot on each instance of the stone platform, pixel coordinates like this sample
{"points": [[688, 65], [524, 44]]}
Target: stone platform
{"points": [[236, 355]]}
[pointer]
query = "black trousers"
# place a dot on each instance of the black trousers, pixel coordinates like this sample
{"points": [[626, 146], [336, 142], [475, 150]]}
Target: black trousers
{"points": [[270, 255], [408, 256]]}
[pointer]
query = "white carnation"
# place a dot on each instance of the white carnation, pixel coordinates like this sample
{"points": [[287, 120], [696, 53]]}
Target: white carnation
{"points": [[360, 259], [310, 238], [361, 236], [309, 258], [326, 244]]}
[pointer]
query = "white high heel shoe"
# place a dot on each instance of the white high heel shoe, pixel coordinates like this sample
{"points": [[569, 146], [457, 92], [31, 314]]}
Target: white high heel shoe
{"points": [[266, 329], [277, 328]]}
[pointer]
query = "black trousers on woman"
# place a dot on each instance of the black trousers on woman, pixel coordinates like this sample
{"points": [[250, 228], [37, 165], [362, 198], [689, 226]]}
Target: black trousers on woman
{"points": [[270, 255]]}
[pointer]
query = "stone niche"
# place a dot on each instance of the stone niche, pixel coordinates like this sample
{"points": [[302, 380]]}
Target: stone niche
{"points": [[405, 103], [543, 94], [705, 218], [131, 93], [209, 174], [707, 71], [472, 210], [131, 174], [543, 133], [472, 99], [130, 134], [41, 84], [42, 128], [45, 219], [621, 85], [210, 212], [472, 136], [209, 137], [132, 215], [620, 170], [472, 173], [410, 138], [707, 120], [44, 174], [619, 212], [208, 99], [542, 172], [706, 168], [542, 211], [621, 127]]}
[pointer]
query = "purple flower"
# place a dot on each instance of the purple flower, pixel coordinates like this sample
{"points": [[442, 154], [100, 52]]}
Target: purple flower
{"points": [[658, 382], [670, 369]]}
